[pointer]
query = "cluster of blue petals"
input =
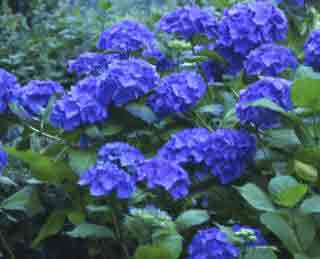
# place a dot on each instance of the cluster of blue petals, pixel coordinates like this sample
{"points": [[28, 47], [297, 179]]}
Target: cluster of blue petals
{"points": [[312, 50], [212, 243], [161, 173], [8, 83], [114, 171], [126, 37], [177, 93], [230, 153], [3, 159], [188, 22], [275, 90], [246, 26], [34, 97], [270, 60], [91, 63]]}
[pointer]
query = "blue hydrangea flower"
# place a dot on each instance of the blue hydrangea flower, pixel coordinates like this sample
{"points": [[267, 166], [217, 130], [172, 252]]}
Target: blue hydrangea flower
{"points": [[3, 159], [8, 83], [104, 178], [126, 37], [122, 154], [230, 152], [312, 50], [91, 63], [270, 60], [35, 96], [188, 22], [245, 26], [274, 89], [188, 146], [212, 243], [256, 235], [177, 93], [162, 173], [131, 79]]}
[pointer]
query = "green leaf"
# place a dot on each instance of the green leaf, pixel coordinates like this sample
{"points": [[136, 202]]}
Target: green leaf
{"points": [[266, 103], [281, 138], [305, 92], [42, 167], [311, 205], [26, 200], [278, 226], [104, 4], [86, 230], [169, 240], [6, 181], [80, 161], [76, 217], [191, 218], [305, 229], [256, 197], [111, 128], [306, 172], [142, 112], [179, 45], [152, 251], [286, 191], [260, 253], [53, 225]]}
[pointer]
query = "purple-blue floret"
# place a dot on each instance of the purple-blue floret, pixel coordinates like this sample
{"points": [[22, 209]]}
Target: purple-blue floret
{"points": [[230, 153], [131, 79], [188, 22], [312, 50], [8, 83], [3, 159], [35, 96], [126, 37], [177, 93], [91, 63], [104, 178], [165, 174], [212, 243], [270, 60], [275, 90]]}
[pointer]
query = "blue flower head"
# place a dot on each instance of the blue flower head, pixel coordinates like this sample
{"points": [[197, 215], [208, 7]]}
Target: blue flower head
{"points": [[274, 89], [188, 22], [131, 79], [270, 60], [3, 159], [177, 93], [252, 237], [246, 26], [126, 37], [8, 83], [188, 146], [35, 96], [168, 175], [104, 178], [312, 50], [230, 152], [91, 63], [212, 243]]}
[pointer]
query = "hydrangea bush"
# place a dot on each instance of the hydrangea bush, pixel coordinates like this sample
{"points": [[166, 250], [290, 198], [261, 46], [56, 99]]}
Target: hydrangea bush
{"points": [[195, 136]]}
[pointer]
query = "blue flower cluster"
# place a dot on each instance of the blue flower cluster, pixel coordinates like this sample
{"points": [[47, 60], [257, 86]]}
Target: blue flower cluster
{"points": [[274, 89], [229, 154], [177, 93], [188, 22], [188, 146], [312, 50], [8, 83], [254, 239], [212, 243], [91, 63], [3, 159], [270, 60], [84, 104], [126, 37], [163, 173], [131, 79], [115, 170], [246, 26], [35, 96]]}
